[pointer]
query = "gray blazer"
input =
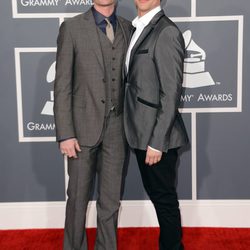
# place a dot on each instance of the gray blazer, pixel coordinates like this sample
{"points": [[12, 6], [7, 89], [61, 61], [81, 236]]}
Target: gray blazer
{"points": [[154, 86], [79, 90]]}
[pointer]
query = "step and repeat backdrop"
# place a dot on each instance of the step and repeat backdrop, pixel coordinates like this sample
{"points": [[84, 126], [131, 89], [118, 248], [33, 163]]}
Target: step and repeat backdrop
{"points": [[213, 172]]}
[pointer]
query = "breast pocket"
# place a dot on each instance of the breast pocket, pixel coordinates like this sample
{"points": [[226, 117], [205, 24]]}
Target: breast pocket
{"points": [[142, 51]]}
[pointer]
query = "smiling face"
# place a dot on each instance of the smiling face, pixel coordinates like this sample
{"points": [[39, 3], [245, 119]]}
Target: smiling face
{"points": [[144, 6]]}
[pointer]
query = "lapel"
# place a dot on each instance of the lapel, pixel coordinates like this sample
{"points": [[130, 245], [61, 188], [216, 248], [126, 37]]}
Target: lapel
{"points": [[147, 30], [130, 37], [89, 26], [126, 39], [124, 33]]}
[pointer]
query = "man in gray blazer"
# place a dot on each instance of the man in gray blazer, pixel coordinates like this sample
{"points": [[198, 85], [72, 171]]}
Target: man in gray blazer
{"points": [[153, 125], [88, 107]]}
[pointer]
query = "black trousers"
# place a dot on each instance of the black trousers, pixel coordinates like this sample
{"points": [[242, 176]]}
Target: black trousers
{"points": [[159, 182]]}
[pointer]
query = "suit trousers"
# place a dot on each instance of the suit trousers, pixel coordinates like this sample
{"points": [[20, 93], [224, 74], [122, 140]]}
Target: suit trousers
{"points": [[106, 159], [159, 182]]}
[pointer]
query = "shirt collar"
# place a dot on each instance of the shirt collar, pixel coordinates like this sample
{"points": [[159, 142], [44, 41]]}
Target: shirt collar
{"points": [[99, 18], [145, 19]]}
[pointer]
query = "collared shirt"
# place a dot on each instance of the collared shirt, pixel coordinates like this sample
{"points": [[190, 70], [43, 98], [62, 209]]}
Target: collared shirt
{"points": [[140, 23], [100, 20]]}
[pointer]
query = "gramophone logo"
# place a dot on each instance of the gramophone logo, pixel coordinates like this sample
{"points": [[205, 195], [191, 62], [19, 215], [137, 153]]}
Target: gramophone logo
{"points": [[195, 74], [50, 78], [35, 76], [212, 74]]}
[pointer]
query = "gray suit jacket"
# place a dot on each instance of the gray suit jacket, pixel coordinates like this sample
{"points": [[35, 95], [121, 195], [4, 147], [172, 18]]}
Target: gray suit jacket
{"points": [[79, 90], [154, 86]]}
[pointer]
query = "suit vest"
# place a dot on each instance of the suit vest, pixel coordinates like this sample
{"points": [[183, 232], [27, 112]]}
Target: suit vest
{"points": [[113, 57]]}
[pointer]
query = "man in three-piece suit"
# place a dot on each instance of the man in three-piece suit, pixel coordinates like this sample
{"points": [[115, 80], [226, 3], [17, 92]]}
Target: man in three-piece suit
{"points": [[88, 110], [153, 125]]}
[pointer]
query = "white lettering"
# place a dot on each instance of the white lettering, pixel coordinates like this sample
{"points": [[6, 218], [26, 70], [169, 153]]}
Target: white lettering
{"points": [[38, 127], [24, 3], [215, 98], [35, 3], [79, 2], [186, 98], [200, 98]]}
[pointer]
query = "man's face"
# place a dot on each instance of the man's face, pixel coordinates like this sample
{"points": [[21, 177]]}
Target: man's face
{"points": [[104, 3], [146, 5]]}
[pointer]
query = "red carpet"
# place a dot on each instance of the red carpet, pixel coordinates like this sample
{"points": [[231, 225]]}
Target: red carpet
{"points": [[130, 239]]}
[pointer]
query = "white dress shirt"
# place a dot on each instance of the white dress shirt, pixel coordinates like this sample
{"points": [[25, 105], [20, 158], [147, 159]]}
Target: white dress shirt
{"points": [[140, 23]]}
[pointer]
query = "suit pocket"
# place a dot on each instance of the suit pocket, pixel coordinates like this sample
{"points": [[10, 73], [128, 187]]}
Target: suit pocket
{"points": [[150, 104], [142, 51]]}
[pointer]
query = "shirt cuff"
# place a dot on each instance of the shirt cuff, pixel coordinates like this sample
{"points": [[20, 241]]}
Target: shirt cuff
{"points": [[65, 139], [155, 149]]}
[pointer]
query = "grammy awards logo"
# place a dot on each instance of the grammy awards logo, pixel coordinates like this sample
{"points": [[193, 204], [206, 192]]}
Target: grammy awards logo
{"points": [[195, 74], [50, 78]]}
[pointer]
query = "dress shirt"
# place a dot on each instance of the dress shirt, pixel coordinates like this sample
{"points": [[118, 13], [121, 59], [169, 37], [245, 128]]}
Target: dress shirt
{"points": [[140, 23], [100, 20]]}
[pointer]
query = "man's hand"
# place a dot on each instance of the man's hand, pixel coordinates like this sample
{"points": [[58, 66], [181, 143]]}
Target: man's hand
{"points": [[152, 156], [70, 147]]}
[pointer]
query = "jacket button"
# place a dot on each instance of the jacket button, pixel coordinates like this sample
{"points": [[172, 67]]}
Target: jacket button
{"points": [[103, 101], [104, 80]]}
